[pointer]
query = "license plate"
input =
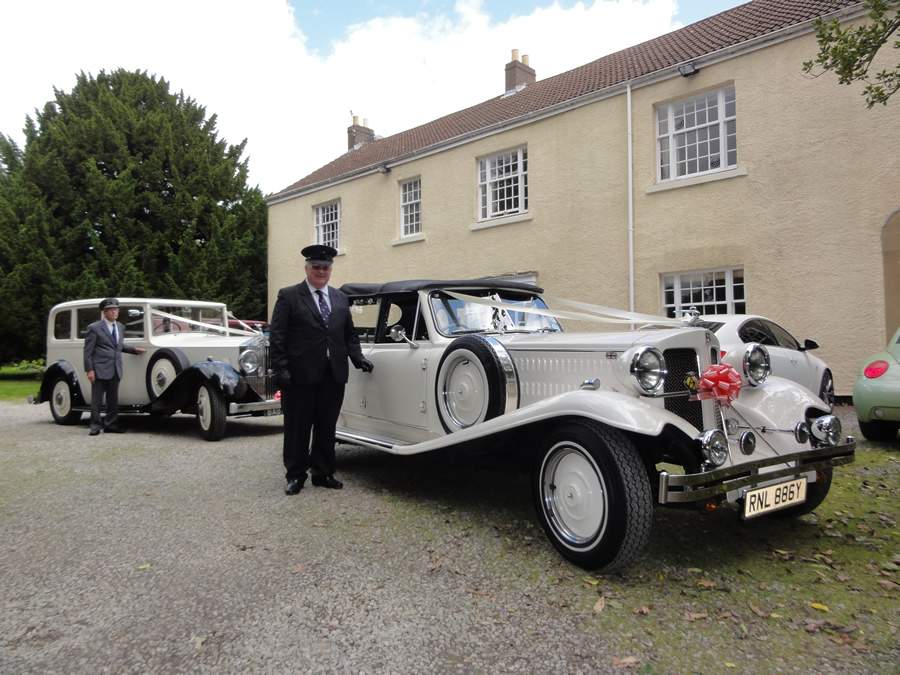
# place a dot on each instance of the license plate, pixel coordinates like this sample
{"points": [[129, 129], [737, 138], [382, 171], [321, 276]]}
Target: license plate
{"points": [[774, 497]]}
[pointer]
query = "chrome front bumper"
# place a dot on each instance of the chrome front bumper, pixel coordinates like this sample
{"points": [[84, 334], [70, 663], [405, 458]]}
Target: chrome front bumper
{"points": [[245, 408], [678, 488]]}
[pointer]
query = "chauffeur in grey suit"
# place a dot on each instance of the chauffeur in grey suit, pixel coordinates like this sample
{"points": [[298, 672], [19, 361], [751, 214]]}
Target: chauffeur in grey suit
{"points": [[311, 337], [103, 347]]}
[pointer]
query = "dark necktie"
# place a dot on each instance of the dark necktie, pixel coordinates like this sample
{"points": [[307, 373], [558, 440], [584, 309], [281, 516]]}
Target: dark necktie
{"points": [[323, 307], [115, 337]]}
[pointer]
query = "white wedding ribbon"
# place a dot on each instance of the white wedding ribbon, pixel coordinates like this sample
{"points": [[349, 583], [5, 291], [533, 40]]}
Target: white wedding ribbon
{"points": [[611, 315], [208, 327]]}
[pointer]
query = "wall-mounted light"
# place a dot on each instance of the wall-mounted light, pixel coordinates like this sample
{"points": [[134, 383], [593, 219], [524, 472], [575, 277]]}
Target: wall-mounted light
{"points": [[383, 168], [688, 69]]}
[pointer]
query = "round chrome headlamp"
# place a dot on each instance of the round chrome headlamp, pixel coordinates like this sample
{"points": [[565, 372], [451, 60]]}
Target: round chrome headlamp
{"points": [[826, 429], [249, 361], [714, 444], [757, 364], [648, 370]]}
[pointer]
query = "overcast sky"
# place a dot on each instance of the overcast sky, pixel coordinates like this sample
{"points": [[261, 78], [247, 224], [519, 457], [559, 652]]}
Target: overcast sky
{"points": [[286, 74]]}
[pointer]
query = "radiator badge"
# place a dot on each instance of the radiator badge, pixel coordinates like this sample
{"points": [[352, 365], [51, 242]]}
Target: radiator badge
{"points": [[612, 355]]}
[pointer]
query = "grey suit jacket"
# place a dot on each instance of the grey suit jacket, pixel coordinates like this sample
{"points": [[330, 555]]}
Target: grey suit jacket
{"points": [[102, 355], [300, 341]]}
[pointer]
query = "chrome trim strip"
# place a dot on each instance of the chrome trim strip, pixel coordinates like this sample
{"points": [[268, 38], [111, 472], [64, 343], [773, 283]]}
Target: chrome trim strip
{"points": [[674, 488], [509, 373]]}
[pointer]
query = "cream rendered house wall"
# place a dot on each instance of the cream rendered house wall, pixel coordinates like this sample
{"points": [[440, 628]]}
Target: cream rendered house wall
{"points": [[818, 177]]}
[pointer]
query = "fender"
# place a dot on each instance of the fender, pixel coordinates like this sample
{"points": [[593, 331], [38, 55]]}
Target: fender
{"points": [[180, 394], [775, 403], [616, 410], [67, 370]]}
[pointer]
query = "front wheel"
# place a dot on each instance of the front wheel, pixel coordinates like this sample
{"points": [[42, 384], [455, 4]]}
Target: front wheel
{"points": [[592, 495], [826, 390], [815, 495], [61, 402], [210, 413]]}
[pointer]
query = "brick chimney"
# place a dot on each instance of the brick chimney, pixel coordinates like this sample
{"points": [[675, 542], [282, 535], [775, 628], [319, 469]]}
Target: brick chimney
{"points": [[358, 134], [518, 73]]}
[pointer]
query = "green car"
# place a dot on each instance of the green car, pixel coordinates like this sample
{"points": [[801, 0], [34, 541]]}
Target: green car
{"points": [[876, 393]]}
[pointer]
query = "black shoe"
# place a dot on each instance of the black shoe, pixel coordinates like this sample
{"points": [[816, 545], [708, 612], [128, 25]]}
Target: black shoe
{"points": [[293, 486], [327, 481], [114, 430], [95, 432]]}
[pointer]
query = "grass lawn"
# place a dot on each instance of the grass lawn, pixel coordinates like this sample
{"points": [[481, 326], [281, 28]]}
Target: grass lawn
{"points": [[16, 384]]}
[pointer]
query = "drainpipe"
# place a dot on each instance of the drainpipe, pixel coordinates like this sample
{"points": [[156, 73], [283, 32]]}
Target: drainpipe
{"points": [[630, 207]]}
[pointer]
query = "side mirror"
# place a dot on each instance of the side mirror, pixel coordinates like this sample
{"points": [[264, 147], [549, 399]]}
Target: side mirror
{"points": [[810, 344], [398, 334]]}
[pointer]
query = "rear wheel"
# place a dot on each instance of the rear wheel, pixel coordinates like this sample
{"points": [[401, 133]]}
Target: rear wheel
{"points": [[592, 495], [61, 402], [878, 430], [210, 413]]}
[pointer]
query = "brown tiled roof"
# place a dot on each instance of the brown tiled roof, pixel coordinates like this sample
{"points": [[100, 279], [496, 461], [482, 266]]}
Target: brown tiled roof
{"points": [[735, 26]]}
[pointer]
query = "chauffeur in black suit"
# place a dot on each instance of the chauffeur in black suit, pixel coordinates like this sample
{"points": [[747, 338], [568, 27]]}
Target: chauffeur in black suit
{"points": [[311, 337], [104, 343]]}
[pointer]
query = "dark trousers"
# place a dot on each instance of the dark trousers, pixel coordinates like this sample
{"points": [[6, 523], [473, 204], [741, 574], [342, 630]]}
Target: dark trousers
{"points": [[111, 389], [311, 408]]}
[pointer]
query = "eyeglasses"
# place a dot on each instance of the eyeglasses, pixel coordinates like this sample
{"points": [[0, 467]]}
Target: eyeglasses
{"points": [[319, 268]]}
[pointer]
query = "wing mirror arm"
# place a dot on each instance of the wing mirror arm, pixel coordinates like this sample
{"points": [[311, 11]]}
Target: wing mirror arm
{"points": [[398, 334]]}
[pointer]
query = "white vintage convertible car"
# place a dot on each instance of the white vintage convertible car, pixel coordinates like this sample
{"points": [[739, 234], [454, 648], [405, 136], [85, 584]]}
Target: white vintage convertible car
{"points": [[195, 363], [609, 422]]}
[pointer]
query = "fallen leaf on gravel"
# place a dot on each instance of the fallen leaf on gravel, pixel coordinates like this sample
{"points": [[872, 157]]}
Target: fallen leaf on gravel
{"points": [[889, 585], [642, 610], [475, 591], [627, 662], [695, 570], [757, 611], [299, 569], [319, 525], [706, 584], [729, 664], [694, 616], [592, 582], [819, 606], [145, 566], [599, 605], [198, 643], [842, 577]]}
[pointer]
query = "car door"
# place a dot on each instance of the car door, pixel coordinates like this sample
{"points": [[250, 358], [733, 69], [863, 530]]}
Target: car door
{"points": [[797, 362], [390, 401]]}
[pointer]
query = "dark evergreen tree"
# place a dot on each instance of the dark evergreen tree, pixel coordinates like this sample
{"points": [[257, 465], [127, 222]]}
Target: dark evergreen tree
{"points": [[124, 188]]}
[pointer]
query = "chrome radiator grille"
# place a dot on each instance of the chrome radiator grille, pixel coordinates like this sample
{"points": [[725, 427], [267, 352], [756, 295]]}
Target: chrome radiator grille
{"points": [[264, 385], [680, 362]]}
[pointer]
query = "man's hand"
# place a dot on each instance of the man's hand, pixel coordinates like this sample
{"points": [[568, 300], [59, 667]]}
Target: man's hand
{"points": [[366, 366], [140, 351], [91, 376], [283, 378]]}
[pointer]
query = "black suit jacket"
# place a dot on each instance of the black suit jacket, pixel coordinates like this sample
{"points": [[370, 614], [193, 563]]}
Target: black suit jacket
{"points": [[300, 341]]}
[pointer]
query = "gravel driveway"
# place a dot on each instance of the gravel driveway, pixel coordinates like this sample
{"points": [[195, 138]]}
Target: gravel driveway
{"points": [[155, 551]]}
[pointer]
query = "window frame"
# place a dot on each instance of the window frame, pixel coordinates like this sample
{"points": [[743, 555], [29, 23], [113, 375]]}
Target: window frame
{"points": [[735, 302], [667, 135], [411, 208], [490, 201], [320, 222]]}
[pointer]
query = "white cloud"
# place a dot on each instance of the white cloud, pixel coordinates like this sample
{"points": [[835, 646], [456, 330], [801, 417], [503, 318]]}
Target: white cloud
{"points": [[248, 64]]}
